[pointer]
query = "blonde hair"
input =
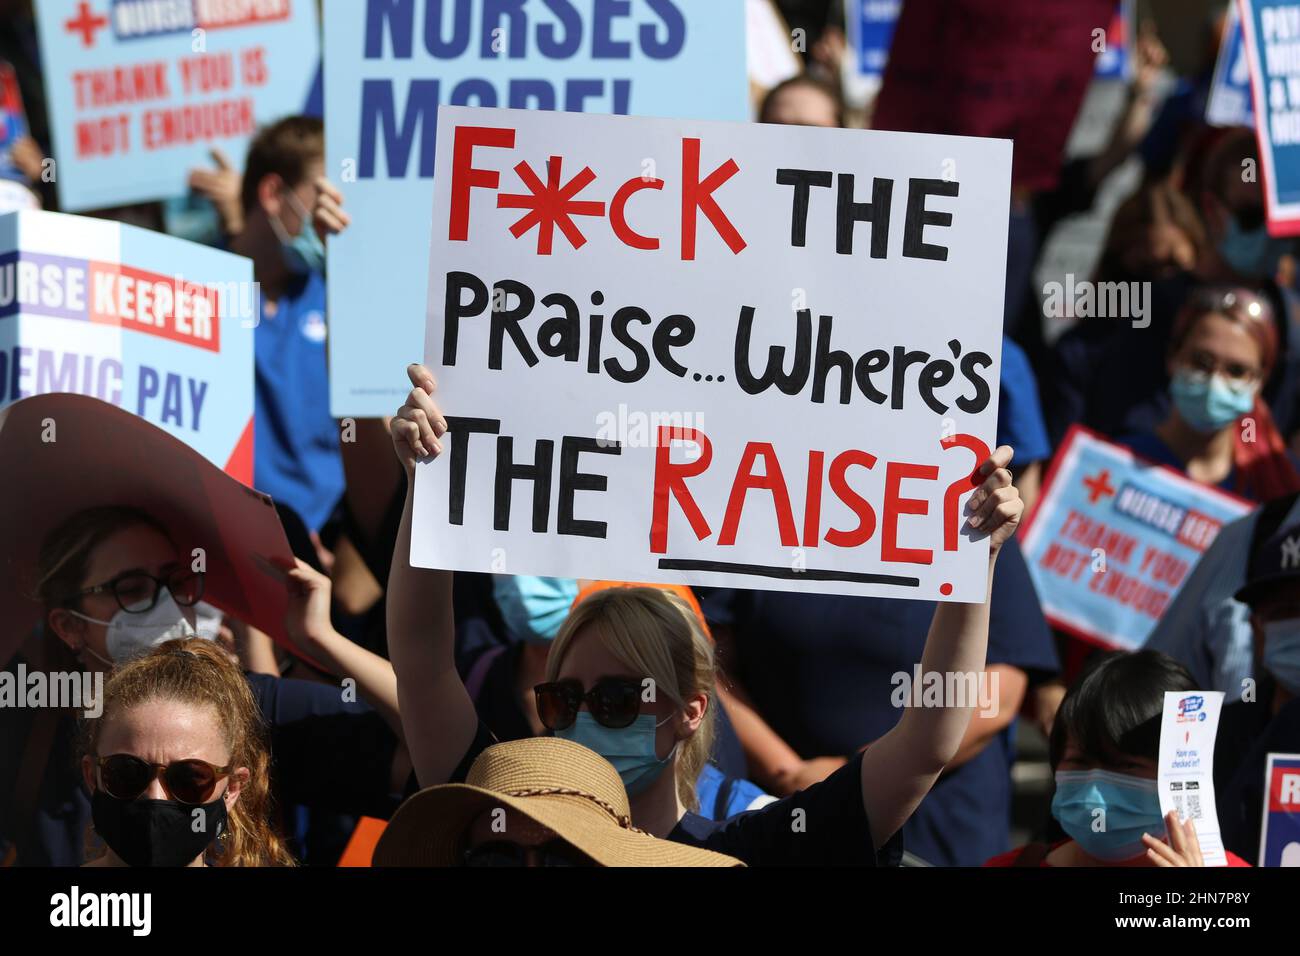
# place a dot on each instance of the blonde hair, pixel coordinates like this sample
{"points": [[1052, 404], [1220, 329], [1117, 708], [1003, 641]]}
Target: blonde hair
{"points": [[197, 672], [656, 634]]}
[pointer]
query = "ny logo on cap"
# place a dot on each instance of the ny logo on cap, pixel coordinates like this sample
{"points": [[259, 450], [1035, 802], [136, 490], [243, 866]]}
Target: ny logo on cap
{"points": [[1291, 552]]}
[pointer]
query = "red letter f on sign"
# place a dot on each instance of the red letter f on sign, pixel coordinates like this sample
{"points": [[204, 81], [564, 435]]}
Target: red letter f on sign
{"points": [[465, 177]]}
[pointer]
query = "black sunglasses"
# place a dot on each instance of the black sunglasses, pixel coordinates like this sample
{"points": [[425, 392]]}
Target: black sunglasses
{"points": [[506, 853], [614, 702], [126, 777], [137, 592]]}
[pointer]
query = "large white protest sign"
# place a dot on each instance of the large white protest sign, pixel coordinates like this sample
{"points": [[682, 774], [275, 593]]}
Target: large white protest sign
{"points": [[715, 353]]}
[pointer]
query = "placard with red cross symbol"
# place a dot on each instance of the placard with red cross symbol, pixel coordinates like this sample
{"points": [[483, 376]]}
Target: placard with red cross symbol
{"points": [[1113, 537], [139, 92]]}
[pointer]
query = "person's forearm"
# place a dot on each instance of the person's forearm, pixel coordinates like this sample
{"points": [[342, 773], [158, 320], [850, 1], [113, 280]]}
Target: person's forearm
{"points": [[766, 754], [994, 714], [1130, 128], [376, 683], [957, 644]]}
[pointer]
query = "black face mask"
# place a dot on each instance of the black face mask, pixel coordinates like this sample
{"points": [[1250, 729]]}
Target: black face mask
{"points": [[156, 832]]}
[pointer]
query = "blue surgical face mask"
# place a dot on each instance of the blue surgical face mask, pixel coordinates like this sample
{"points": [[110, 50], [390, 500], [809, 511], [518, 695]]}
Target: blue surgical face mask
{"points": [[630, 749], [304, 253], [1282, 652], [1252, 253], [1106, 813], [533, 608], [1209, 403]]}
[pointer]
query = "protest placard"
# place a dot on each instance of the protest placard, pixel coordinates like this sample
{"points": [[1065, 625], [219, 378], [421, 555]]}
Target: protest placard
{"points": [[713, 353], [63, 454], [1229, 101], [140, 91], [1112, 538], [390, 65], [159, 326], [1271, 29], [949, 72], [1279, 834], [1189, 724], [871, 30]]}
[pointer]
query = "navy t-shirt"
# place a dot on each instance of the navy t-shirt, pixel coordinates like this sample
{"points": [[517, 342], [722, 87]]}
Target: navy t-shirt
{"points": [[296, 442], [820, 669]]}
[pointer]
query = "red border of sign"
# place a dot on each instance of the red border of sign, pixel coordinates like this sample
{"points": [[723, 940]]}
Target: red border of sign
{"points": [[1277, 226], [1049, 480]]}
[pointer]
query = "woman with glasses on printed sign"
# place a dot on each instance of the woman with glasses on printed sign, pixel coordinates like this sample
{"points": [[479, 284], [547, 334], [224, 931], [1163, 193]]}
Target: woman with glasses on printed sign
{"points": [[1219, 431], [631, 677]]}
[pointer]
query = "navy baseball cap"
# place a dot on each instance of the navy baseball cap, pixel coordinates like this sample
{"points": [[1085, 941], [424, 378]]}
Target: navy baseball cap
{"points": [[1275, 562]]}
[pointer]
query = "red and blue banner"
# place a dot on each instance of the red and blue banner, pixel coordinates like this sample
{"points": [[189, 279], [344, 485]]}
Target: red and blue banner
{"points": [[1279, 837], [158, 326]]}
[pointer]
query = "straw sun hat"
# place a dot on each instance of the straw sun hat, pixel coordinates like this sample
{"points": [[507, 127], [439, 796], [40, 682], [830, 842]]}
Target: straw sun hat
{"points": [[558, 784]]}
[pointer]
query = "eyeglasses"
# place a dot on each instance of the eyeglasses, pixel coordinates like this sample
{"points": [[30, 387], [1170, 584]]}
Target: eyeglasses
{"points": [[137, 591], [506, 853], [126, 776], [1239, 376], [613, 701]]}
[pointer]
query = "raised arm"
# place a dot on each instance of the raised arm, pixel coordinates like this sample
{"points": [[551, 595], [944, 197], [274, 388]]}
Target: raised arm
{"points": [[437, 714], [899, 769]]}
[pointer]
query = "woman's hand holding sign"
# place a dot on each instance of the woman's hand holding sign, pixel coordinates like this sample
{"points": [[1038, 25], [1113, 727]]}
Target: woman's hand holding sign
{"points": [[418, 425], [995, 508]]}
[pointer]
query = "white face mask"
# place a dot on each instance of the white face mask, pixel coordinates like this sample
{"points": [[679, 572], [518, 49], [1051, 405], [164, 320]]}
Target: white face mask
{"points": [[133, 635], [208, 621]]}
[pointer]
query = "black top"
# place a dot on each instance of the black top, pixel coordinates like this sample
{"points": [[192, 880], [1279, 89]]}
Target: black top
{"points": [[824, 825]]}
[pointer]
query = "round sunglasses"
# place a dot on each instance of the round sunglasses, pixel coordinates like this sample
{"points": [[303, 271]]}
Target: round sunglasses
{"points": [[126, 777], [614, 702]]}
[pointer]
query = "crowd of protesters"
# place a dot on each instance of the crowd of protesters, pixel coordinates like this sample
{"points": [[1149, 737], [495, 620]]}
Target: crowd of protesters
{"points": [[502, 720]]}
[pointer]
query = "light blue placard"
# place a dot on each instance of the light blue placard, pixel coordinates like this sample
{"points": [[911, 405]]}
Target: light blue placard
{"points": [[1229, 102], [140, 91], [1113, 538], [667, 58], [91, 307]]}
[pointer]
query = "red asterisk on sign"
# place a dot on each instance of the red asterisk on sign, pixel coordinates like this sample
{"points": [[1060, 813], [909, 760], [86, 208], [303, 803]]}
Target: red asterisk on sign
{"points": [[551, 205]]}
